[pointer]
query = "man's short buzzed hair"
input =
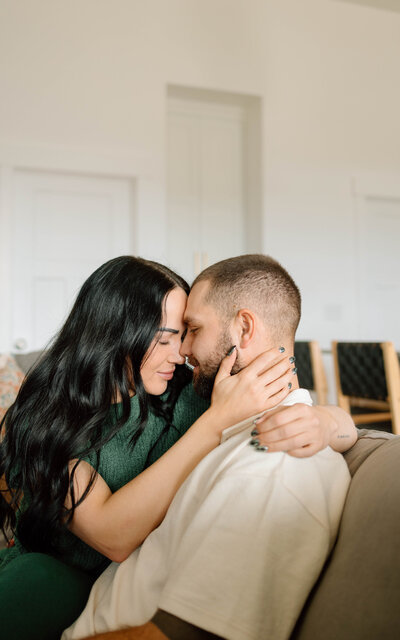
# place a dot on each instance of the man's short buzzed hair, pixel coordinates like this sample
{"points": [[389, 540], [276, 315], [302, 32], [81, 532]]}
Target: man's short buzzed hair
{"points": [[256, 282]]}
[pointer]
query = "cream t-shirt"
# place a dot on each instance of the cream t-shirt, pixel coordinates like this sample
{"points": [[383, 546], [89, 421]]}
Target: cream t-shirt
{"points": [[239, 550]]}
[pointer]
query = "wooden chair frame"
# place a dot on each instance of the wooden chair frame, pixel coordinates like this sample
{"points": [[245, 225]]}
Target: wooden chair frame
{"points": [[385, 410], [317, 364]]}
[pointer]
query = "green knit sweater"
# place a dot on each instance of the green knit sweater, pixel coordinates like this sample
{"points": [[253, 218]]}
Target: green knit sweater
{"points": [[119, 463]]}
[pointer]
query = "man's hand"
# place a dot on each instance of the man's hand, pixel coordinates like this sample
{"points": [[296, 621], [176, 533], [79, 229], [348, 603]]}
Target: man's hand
{"points": [[302, 431]]}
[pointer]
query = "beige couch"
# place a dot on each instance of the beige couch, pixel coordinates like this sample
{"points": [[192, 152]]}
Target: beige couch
{"points": [[357, 595]]}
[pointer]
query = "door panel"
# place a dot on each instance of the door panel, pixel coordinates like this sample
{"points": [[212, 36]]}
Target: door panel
{"points": [[63, 228], [205, 184], [222, 210]]}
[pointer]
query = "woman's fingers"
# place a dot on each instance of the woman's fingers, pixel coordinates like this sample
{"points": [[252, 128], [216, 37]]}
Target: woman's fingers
{"points": [[265, 361], [276, 397], [277, 371], [296, 430], [304, 452], [281, 422], [226, 365], [260, 386], [288, 444], [270, 391], [266, 396]]}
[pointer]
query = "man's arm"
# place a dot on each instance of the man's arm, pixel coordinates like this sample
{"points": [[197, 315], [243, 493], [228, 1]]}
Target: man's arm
{"points": [[302, 430]]}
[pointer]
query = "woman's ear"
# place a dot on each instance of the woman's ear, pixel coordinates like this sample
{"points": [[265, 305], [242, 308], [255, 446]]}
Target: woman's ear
{"points": [[245, 327]]}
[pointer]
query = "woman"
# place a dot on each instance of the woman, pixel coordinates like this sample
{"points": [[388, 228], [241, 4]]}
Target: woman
{"points": [[84, 441]]}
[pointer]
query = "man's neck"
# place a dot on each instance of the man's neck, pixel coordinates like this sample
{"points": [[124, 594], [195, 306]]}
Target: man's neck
{"points": [[288, 354]]}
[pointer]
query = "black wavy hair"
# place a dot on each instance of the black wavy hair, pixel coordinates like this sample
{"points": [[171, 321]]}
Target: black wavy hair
{"points": [[61, 408]]}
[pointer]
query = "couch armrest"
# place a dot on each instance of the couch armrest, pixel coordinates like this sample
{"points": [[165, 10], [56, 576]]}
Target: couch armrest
{"points": [[357, 595], [368, 441]]}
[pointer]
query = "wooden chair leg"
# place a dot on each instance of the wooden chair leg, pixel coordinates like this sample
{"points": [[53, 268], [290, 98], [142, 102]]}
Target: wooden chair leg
{"points": [[321, 385]]}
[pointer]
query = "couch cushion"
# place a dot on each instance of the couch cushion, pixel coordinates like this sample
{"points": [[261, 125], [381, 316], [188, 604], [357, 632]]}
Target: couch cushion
{"points": [[368, 441], [357, 596]]}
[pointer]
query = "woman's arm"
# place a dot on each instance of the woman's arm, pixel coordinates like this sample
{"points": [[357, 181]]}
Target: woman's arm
{"points": [[303, 430], [342, 432], [116, 523]]}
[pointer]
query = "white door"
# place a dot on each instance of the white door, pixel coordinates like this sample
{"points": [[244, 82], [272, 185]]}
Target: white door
{"points": [[379, 266], [206, 186], [63, 228]]}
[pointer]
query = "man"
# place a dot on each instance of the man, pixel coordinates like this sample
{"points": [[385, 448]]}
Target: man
{"points": [[246, 536], [215, 322]]}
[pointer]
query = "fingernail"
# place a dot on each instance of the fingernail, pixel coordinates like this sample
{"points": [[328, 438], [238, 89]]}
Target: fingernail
{"points": [[289, 386], [292, 359], [254, 443], [231, 350], [262, 448], [281, 349], [254, 432], [294, 371]]}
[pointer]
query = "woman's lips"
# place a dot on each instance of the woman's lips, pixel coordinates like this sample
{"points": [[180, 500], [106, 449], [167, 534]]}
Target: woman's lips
{"points": [[167, 375]]}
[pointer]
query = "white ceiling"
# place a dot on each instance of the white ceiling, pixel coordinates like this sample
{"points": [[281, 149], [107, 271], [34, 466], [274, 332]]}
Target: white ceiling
{"points": [[386, 5]]}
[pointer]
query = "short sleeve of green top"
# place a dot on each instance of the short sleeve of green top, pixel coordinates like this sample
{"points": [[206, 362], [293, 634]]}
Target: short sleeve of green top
{"points": [[119, 463]]}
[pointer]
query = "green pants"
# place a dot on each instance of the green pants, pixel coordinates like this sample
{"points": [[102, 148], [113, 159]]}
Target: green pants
{"points": [[39, 597]]}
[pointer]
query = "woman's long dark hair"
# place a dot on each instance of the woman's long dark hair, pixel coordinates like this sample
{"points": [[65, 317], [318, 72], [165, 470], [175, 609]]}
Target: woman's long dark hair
{"points": [[61, 408]]}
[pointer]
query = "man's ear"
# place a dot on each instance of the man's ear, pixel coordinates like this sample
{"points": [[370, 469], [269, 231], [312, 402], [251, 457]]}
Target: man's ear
{"points": [[245, 327]]}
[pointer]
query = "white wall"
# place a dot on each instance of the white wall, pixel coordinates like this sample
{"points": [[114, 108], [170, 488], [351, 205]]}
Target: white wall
{"points": [[331, 116], [83, 88]]}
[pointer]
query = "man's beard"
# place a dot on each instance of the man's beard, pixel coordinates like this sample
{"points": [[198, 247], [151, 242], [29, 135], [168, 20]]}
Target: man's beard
{"points": [[203, 380]]}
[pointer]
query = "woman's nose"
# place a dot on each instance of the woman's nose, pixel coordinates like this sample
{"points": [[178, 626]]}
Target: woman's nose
{"points": [[179, 359], [176, 357]]}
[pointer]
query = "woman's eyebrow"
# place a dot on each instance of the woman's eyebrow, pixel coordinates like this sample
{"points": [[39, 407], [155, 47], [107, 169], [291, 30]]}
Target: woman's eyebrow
{"points": [[167, 329]]}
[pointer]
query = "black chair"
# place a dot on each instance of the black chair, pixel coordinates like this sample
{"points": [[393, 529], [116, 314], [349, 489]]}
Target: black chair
{"points": [[368, 382], [310, 368]]}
